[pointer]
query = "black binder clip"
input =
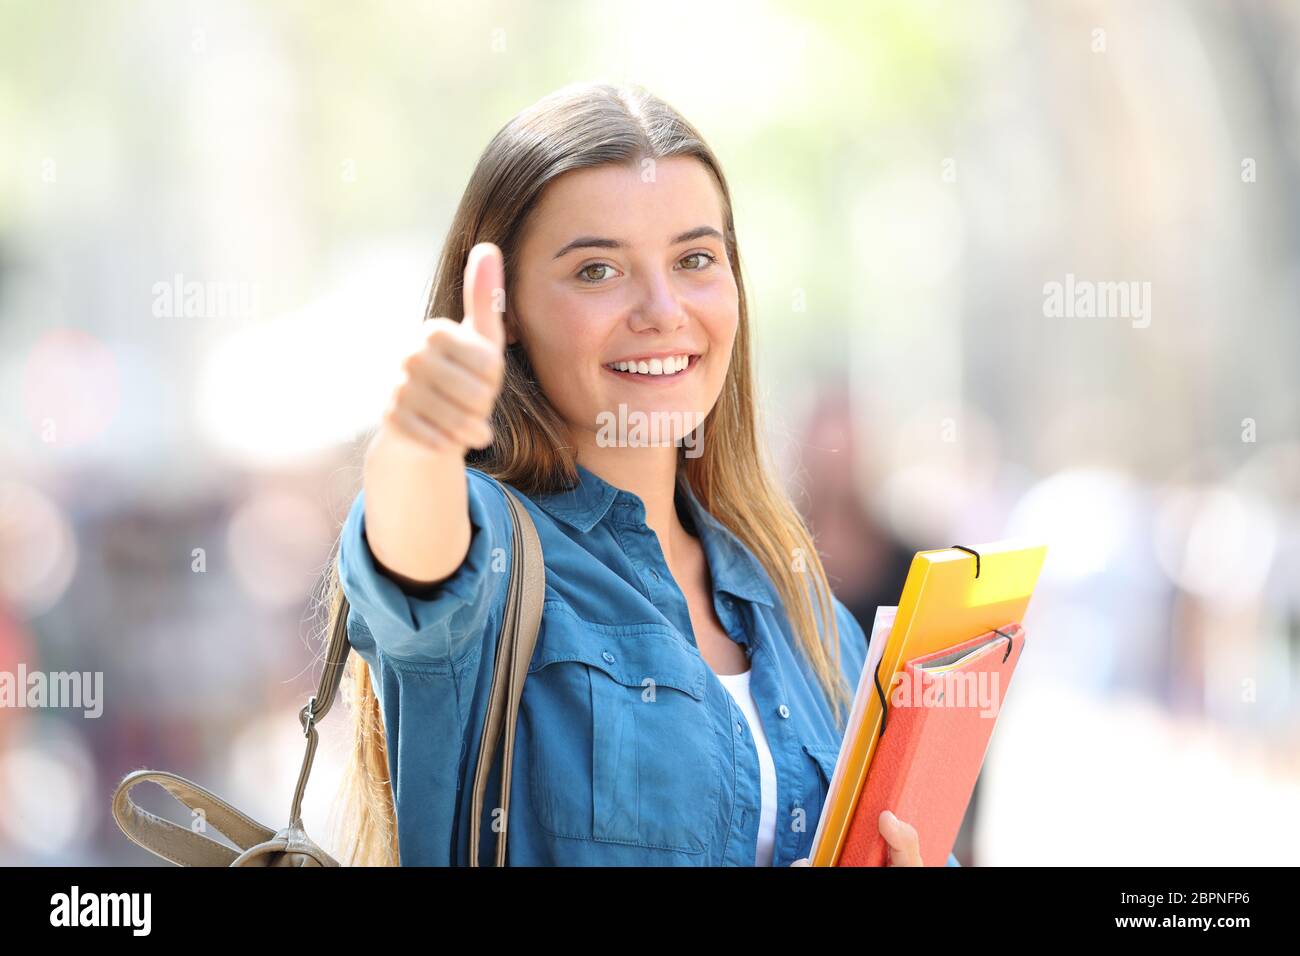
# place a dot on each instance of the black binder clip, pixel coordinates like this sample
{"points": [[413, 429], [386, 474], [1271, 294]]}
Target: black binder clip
{"points": [[971, 551], [1010, 643], [883, 709]]}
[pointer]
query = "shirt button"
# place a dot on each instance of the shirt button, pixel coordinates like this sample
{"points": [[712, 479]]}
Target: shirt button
{"points": [[726, 600], [608, 656], [739, 728], [783, 710], [654, 574]]}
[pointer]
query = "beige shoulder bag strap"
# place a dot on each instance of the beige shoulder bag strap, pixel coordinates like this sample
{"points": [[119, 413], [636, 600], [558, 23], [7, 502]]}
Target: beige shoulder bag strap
{"points": [[519, 625], [291, 846]]}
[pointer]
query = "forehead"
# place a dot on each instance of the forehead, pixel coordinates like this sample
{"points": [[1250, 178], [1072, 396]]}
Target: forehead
{"points": [[616, 201]]}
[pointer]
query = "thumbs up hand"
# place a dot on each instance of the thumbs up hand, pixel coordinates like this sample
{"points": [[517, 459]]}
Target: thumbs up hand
{"points": [[449, 384]]}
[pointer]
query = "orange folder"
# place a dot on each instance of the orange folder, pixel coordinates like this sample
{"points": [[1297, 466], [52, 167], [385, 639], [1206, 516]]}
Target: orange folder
{"points": [[938, 725], [950, 595]]}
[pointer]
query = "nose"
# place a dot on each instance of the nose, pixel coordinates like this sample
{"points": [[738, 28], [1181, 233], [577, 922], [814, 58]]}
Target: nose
{"points": [[659, 309]]}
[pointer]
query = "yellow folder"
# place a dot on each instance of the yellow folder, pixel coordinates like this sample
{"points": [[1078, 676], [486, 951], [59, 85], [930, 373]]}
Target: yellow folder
{"points": [[944, 602]]}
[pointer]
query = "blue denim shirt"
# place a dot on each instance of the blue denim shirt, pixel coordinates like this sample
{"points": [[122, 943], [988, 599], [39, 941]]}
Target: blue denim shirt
{"points": [[629, 750]]}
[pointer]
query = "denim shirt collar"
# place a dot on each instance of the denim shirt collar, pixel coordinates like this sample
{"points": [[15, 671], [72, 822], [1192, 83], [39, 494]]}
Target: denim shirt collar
{"points": [[733, 566]]}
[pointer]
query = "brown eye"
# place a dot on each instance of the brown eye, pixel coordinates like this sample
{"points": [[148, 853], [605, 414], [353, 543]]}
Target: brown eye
{"points": [[706, 257], [584, 272]]}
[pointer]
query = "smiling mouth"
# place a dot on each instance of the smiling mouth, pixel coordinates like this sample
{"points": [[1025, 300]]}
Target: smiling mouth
{"points": [[655, 369]]}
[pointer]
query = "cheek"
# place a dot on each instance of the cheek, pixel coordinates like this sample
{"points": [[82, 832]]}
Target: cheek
{"points": [[565, 336], [575, 329], [718, 308]]}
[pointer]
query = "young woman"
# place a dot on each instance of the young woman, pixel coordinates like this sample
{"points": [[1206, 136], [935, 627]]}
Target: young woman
{"points": [[686, 699]]}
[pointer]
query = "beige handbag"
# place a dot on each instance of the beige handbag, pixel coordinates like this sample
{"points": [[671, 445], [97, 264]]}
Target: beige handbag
{"points": [[262, 846]]}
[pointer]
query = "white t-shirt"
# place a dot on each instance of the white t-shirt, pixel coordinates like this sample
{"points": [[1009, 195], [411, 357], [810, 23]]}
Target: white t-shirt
{"points": [[738, 685]]}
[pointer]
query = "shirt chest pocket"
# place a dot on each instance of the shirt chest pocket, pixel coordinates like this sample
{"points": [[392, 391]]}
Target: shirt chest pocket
{"points": [[621, 747], [823, 757], [819, 761]]}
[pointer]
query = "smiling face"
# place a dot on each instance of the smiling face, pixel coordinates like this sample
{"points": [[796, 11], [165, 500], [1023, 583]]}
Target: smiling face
{"points": [[612, 271]]}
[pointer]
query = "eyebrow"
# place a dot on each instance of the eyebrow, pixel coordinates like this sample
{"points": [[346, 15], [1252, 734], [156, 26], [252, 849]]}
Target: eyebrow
{"points": [[598, 242]]}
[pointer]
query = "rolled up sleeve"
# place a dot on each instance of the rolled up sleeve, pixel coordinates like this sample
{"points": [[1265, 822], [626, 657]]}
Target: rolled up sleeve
{"points": [[444, 624]]}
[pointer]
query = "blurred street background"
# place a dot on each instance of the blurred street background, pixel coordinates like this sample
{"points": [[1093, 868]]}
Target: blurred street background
{"points": [[218, 220]]}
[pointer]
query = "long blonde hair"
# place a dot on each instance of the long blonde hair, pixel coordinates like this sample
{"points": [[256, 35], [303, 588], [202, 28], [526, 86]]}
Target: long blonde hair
{"points": [[577, 127]]}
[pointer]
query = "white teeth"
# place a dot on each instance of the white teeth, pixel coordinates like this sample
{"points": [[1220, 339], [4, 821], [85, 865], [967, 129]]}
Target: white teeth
{"points": [[654, 366]]}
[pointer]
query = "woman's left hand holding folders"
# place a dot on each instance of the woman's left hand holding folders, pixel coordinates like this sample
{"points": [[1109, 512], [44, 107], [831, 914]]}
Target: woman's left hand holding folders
{"points": [[903, 842]]}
